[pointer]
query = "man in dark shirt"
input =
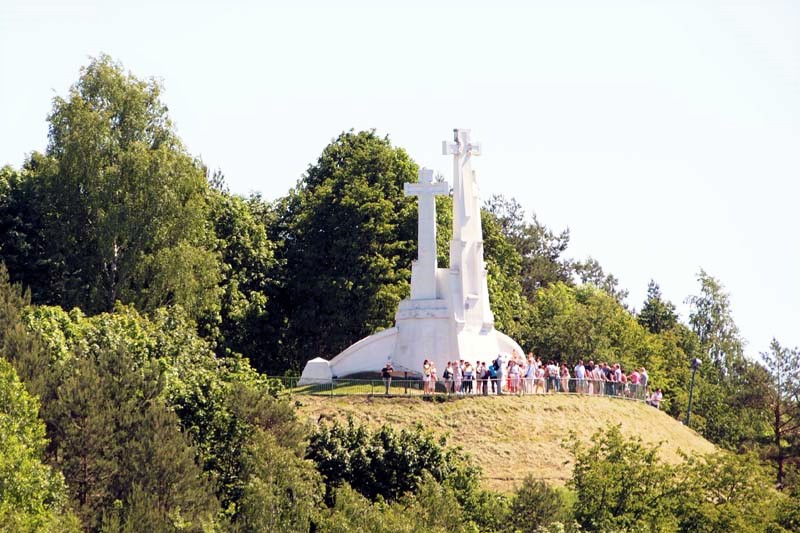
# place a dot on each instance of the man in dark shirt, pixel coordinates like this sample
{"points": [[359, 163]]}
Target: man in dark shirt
{"points": [[386, 374], [609, 380]]}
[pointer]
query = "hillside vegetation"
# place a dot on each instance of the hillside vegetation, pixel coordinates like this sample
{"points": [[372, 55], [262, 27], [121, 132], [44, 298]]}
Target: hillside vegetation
{"points": [[143, 307], [511, 437]]}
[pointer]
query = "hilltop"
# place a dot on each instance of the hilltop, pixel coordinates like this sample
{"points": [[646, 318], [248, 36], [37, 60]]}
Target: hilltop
{"points": [[513, 436]]}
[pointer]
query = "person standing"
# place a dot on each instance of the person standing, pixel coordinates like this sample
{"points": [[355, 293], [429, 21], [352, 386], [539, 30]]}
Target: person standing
{"points": [[552, 376], [633, 380], [590, 377], [448, 377], [426, 376], [643, 379], [469, 377], [513, 375], [500, 374], [539, 387], [483, 375], [530, 375], [386, 374], [608, 380], [580, 377]]}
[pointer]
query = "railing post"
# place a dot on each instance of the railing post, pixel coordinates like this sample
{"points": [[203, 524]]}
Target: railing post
{"points": [[405, 382]]}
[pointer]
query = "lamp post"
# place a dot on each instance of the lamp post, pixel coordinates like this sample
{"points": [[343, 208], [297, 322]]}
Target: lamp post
{"points": [[695, 365]]}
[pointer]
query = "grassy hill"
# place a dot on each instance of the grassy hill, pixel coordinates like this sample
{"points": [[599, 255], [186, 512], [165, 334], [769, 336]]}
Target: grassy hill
{"points": [[514, 436]]}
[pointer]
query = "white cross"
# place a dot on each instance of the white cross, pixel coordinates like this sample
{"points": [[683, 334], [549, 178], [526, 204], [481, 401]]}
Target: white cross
{"points": [[423, 281]]}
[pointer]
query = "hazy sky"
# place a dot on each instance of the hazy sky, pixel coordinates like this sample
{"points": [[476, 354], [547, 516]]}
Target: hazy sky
{"points": [[664, 135]]}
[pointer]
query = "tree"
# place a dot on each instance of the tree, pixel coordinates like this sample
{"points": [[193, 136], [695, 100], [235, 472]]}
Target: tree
{"points": [[116, 208], [281, 492], [656, 314], [220, 405], [621, 485], [571, 323], [712, 321], [590, 271], [24, 246], [535, 505], [724, 492], [385, 463], [783, 366], [349, 236], [33, 496], [510, 307], [539, 248], [113, 433], [250, 323]]}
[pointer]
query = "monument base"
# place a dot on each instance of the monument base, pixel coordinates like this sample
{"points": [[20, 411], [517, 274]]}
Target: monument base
{"points": [[424, 330]]}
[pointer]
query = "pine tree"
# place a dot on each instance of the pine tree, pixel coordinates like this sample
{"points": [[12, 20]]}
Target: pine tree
{"points": [[656, 314]]}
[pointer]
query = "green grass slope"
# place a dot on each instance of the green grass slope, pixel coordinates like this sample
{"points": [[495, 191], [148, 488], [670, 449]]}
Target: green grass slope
{"points": [[513, 436]]}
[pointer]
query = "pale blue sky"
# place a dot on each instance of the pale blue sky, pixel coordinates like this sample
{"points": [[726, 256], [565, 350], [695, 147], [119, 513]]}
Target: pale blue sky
{"points": [[665, 135]]}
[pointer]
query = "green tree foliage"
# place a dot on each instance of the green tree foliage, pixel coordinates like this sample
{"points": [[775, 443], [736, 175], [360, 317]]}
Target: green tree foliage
{"points": [[510, 308], [712, 320], [19, 346], [349, 236], [33, 496], [590, 271], [783, 404], [730, 390], [725, 492], [250, 278], [789, 512], [116, 209], [539, 248], [282, 492], [113, 432], [535, 504], [620, 485], [434, 507], [657, 315], [385, 463], [222, 406], [24, 246], [571, 323]]}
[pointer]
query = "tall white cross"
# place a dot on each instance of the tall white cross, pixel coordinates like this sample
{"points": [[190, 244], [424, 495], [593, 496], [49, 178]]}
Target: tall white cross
{"points": [[466, 203], [423, 277]]}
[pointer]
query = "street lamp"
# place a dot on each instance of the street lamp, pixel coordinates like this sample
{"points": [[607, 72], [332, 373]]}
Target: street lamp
{"points": [[695, 365]]}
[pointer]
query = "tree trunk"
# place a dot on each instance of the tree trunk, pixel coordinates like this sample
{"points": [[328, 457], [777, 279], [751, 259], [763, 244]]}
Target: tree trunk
{"points": [[780, 457]]}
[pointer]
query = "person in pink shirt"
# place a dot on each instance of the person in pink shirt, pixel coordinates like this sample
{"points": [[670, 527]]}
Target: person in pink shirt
{"points": [[633, 379]]}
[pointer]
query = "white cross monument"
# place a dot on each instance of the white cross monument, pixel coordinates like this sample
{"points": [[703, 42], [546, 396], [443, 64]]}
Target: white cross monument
{"points": [[423, 270], [448, 316]]}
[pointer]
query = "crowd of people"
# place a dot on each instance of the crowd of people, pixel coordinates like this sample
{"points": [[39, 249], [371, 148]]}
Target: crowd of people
{"points": [[520, 375]]}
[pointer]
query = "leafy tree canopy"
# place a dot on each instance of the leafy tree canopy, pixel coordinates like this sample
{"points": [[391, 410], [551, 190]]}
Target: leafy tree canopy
{"points": [[656, 314], [116, 209], [349, 236], [33, 496]]}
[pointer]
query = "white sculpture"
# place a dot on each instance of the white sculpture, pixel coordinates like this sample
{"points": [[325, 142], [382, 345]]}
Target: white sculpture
{"points": [[448, 316]]}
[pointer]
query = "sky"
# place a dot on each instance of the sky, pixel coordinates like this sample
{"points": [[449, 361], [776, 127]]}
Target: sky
{"points": [[664, 135]]}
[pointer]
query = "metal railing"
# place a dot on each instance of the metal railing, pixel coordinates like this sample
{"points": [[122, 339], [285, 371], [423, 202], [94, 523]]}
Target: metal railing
{"points": [[475, 387]]}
